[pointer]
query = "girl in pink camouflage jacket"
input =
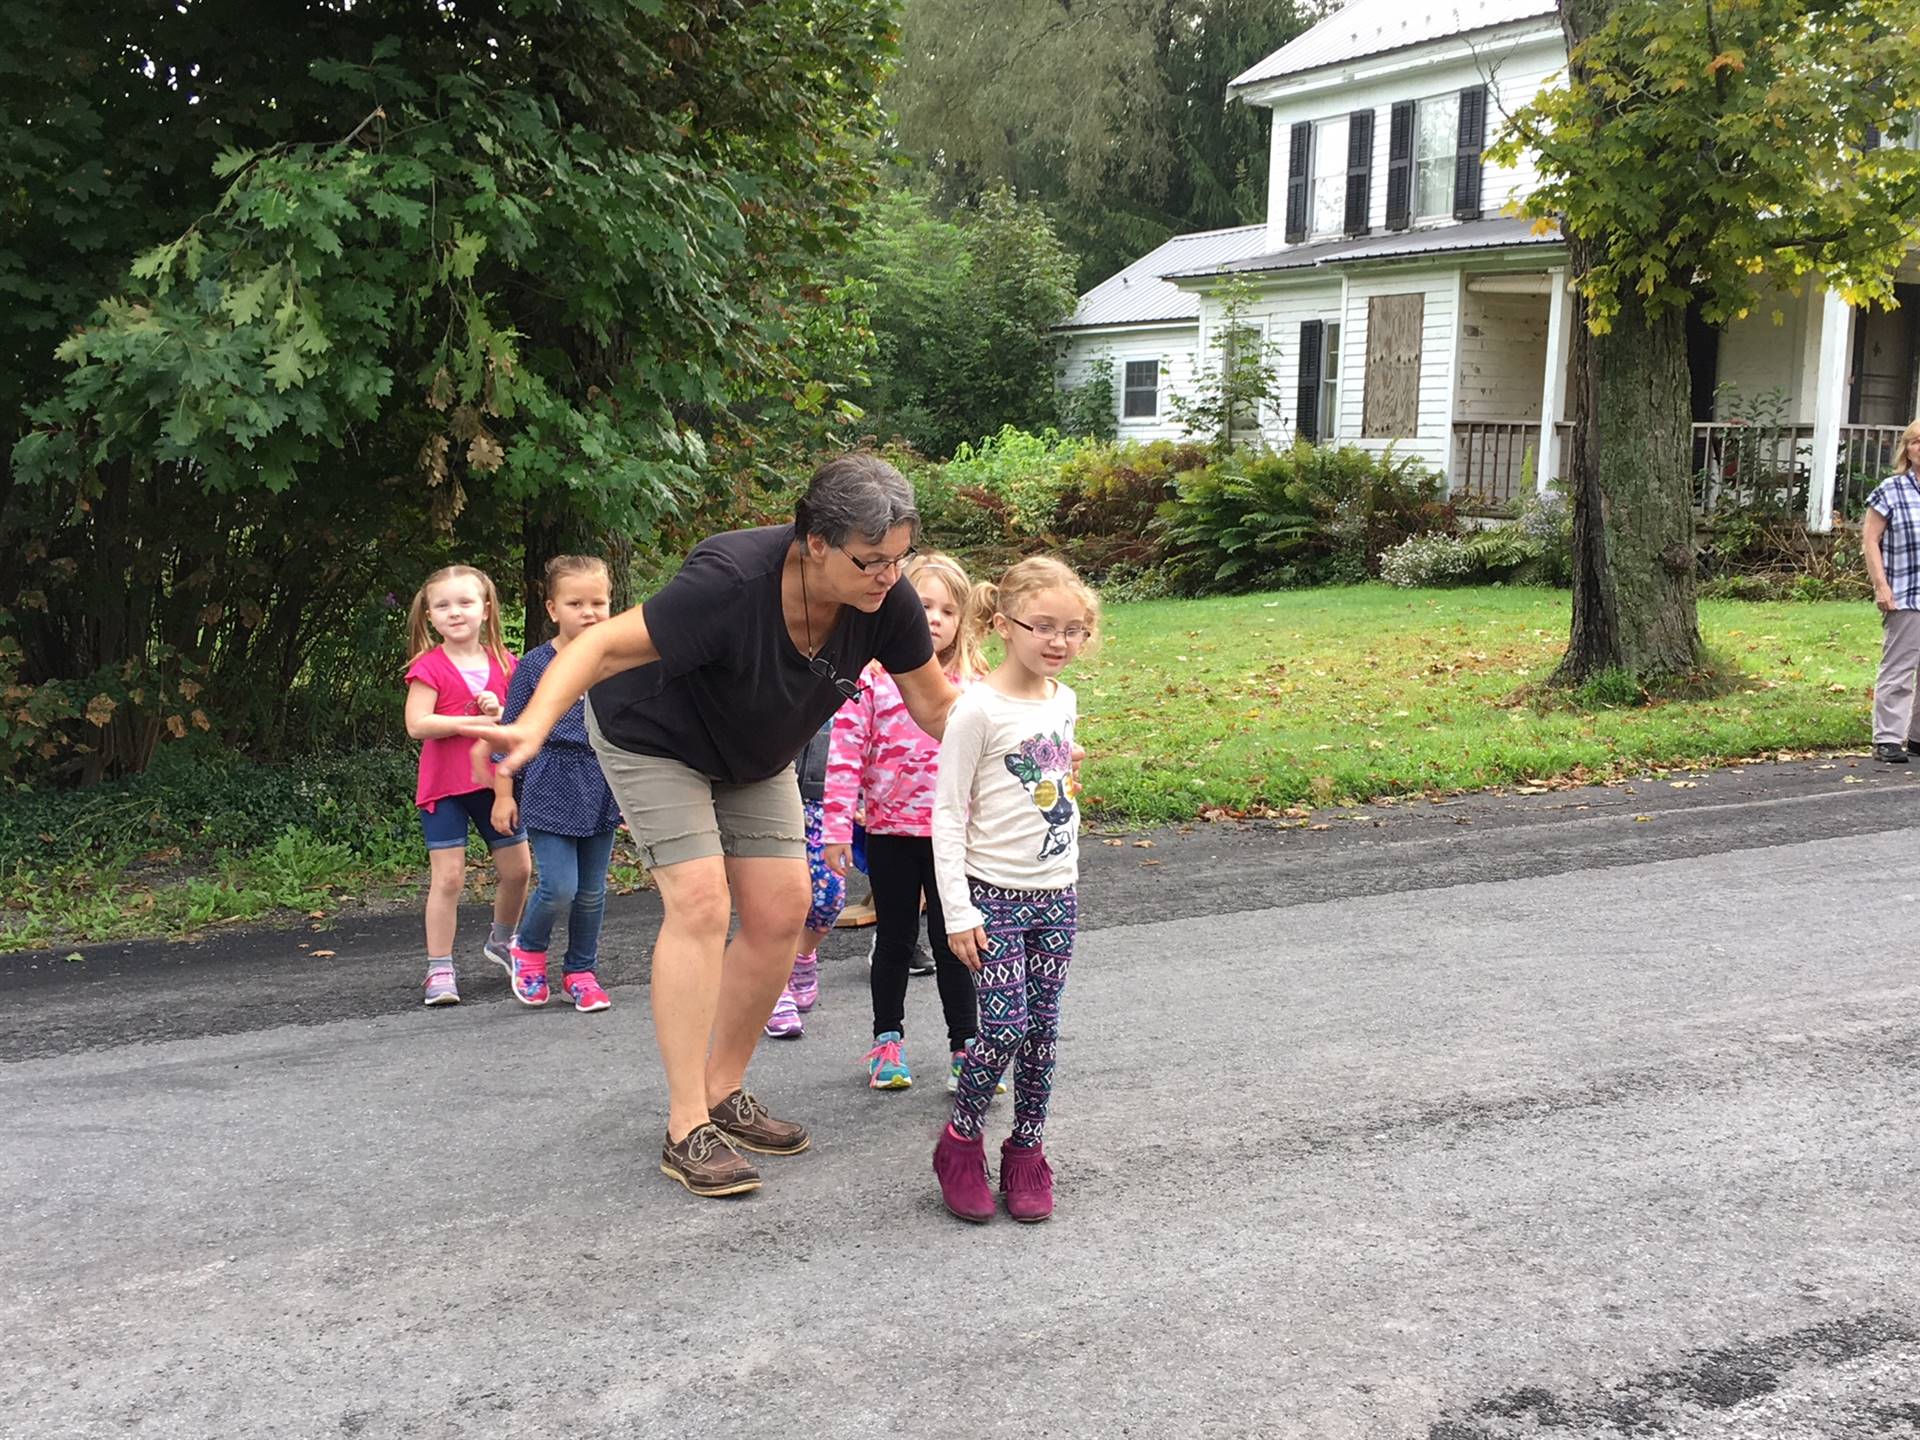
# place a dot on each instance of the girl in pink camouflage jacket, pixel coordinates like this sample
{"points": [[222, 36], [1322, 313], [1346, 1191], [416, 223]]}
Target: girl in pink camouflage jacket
{"points": [[882, 766]]}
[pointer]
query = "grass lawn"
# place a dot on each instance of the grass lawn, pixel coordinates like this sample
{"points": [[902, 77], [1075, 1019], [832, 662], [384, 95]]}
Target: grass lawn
{"points": [[1340, 695], [1245, 704]]}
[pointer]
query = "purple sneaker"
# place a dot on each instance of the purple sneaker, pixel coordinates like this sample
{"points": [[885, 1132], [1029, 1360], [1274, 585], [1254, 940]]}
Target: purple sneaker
{"points": [[440, 987], [804, 983], [785, 1022]]}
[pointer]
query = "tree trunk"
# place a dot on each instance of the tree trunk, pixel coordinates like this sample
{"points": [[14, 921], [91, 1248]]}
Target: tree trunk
{"points": [[1627, 472]]}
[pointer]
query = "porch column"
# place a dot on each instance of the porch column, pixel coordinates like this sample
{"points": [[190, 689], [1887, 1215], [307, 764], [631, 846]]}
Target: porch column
{"points": [[1829, 407], [1553, 397]]}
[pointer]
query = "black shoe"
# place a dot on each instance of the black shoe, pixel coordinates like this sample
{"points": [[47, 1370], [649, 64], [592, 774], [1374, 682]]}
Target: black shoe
{"points": [[1893, 754], [1913, 747]]}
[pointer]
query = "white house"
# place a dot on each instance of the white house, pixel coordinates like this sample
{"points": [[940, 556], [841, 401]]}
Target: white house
{"points": [[1402, 306]]}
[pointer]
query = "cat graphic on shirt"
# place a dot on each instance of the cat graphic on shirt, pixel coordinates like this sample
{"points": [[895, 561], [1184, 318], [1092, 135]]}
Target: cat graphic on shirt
{"points": [[1044, 765]]}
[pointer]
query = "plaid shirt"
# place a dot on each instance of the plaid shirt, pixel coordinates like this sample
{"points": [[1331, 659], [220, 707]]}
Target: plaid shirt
{"points": [[1898, 498]]}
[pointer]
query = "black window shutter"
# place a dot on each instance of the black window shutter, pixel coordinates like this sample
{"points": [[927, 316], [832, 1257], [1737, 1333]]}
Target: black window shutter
{"points": [[1473, 139], [1359, 170], [1400, 167], [1300, 150], [1306, 423], [1872, 141]]}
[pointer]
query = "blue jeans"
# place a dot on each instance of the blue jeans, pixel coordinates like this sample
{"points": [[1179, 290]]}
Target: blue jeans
{"points": [[572, 877]]}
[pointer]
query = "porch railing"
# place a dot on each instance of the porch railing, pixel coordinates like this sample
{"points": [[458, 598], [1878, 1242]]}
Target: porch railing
{"points": [[1772, 465], [1489, 462], [1733, 464]]}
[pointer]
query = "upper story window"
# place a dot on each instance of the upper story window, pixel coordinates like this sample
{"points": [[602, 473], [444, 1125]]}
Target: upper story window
{"points": [[1436, 150], [1141, 390], [1329, 185]]}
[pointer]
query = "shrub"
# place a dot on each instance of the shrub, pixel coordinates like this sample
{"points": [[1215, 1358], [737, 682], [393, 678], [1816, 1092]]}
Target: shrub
{"points": [[1431, 559], [1109, 502], [1020, 471], [1090, 408], [1304, 515], [199, 800]]}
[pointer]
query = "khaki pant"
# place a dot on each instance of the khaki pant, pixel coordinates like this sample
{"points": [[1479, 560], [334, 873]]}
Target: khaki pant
{"points": [[677, 814], [1894, 720]]}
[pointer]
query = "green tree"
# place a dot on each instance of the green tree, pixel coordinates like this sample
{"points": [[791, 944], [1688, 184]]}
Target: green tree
{"points": [[1113, 112], [962, 311], [386, 284], [1699, 149], [1235, 381]]}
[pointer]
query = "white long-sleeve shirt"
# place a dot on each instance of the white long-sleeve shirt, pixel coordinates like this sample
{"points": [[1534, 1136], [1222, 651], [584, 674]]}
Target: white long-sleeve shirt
{"points": [[1003, 807]]}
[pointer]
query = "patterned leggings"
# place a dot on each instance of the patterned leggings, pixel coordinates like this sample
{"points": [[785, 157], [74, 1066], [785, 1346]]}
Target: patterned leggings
{"points": [[1024, 969], [829, 885]]}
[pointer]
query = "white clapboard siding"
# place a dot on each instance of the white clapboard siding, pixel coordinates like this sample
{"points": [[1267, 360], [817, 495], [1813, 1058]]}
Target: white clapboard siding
{"points": [[1433, 443], [1172, 346], [1503, 357], [1757, 354], [1280, 312]]}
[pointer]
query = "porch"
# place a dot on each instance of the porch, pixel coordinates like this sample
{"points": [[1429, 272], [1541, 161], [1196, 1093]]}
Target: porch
{"points": [[1799, 405]]}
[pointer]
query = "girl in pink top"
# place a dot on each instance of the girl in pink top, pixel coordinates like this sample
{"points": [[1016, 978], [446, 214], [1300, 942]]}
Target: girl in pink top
{"points": [[461, 677], [882, 766]]}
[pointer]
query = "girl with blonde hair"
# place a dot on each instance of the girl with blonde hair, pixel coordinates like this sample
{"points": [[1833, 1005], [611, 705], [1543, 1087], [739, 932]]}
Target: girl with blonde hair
{"points": [[450, 683], [882, 766], [1006, 851]]}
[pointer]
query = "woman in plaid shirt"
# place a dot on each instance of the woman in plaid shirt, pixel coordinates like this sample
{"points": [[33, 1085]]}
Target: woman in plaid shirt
{"points": [[1890, 539]]}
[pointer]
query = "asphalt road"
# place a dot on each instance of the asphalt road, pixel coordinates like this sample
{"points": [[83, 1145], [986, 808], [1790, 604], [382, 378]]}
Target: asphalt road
{"points": [[1586, 1113]]}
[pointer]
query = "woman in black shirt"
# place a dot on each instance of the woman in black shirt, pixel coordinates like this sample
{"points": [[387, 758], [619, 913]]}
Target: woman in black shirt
{"points": [[698, 701]]}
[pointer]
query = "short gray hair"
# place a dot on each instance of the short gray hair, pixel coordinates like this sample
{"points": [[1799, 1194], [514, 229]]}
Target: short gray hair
{"points": [[855, 495]]}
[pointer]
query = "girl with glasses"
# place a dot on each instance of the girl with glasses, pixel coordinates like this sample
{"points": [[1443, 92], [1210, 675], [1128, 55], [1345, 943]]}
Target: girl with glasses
{"points": [[1006, 851]]}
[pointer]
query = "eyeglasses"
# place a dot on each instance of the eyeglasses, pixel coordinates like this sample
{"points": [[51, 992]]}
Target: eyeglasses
{"points": [[1046, 630], [864, 566], [849, 689]]}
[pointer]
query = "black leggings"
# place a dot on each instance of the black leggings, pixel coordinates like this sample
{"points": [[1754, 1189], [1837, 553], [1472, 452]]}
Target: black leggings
{"points": [[901, 869]]}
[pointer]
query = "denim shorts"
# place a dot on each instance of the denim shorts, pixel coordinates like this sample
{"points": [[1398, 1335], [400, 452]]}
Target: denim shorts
{"points": [[445, 825]]}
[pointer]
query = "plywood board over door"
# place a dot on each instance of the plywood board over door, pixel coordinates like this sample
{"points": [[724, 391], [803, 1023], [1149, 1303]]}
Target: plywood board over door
{"points": [[1395, 334]]}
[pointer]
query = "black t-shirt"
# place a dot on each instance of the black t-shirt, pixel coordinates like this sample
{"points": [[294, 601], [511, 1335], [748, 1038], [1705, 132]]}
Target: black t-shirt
{"points": [[731, 695]]}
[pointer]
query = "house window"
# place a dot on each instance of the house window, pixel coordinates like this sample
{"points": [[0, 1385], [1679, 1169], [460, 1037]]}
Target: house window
{"points": [[1329, 176], [1330, 383], [1436, 149], [1141, 390]]}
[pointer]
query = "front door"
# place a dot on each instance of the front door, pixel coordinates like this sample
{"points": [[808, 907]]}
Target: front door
{"points": [[1885, 357]]}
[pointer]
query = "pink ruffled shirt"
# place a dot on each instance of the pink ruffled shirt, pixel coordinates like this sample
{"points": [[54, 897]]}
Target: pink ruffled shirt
{"points": [[446, 760], [879, 762]]}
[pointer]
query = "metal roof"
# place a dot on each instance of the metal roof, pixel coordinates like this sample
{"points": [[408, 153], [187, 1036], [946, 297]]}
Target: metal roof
{"points": [[1502, 233], [1138, 296], [1373, 27]]}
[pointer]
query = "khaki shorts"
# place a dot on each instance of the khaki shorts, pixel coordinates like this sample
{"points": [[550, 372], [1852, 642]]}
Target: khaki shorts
{"points": [[677, 814]]}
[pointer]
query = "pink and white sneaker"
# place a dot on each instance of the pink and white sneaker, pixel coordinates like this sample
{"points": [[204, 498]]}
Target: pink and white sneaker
{"points": [[583, 988], [529, 974], [804, 983], [785, 1022]]}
